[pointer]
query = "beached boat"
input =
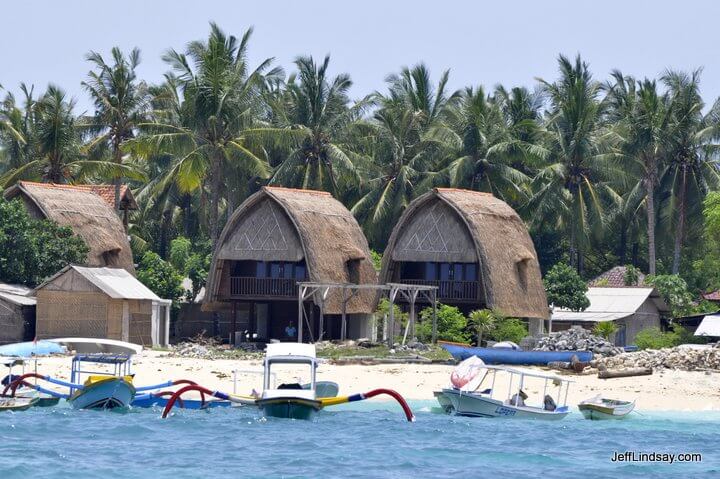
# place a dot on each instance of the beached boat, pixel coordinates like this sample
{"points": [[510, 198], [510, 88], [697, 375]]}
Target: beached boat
{"points": [[601, 408], [477, 402], [31, 348], [512, 356], [24, 392]]}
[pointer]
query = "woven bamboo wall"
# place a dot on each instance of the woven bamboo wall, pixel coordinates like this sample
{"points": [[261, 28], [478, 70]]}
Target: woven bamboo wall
{"points": [[76, 313], [12, 322], [140, 322]]}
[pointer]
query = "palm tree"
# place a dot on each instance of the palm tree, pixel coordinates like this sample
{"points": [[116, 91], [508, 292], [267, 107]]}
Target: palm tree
{"points": [[400, 155], [121, 103], [16, 129], [483, 321], [314, 115], [691, 151], [575, 187], [216, 113], [488, 140], [641, 115], [395, 162], [57, 141]]}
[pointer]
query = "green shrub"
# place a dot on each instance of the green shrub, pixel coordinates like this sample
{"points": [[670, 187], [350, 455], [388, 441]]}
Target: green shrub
{"points": [[605, 329], [451, 324], [509, 329], [653, 338], [376, 260], [180, 251]]}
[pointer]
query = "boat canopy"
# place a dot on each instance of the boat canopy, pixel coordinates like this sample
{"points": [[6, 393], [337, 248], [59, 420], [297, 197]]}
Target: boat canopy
{"points": [[289, 350], [528, 373]]}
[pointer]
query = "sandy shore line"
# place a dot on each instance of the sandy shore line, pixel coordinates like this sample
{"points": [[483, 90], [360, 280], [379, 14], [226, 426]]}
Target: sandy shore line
{"points": [[663, 391]]}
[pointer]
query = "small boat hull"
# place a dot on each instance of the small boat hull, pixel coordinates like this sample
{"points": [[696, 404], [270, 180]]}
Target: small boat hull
{"points": [[512, 356], [476, 405], [17, 404], [289, 408], [606, 409], [444, 401], [156, 401], [104, 393]]}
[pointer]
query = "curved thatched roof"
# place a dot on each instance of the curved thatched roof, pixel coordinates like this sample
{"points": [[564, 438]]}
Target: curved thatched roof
{"points": [[329, 239], [509, 268], [89, 216]]}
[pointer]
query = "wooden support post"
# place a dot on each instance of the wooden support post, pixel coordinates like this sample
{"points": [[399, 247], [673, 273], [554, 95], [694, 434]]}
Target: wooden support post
{"points": [[411, 319], [322, 321], [434, 325], [233, 323], [301, 297], [343, 326]]}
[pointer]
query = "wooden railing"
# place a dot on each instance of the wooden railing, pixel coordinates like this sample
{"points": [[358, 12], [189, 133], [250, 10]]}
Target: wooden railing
{"points": [[450, 290], [262, 287]]}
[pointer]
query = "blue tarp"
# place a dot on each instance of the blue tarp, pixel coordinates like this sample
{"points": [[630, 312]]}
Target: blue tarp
{"points": [[30, 348], [511, 356]]}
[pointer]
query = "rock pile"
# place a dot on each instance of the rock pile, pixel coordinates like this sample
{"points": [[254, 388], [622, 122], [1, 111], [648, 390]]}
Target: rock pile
{"points": [[683, 358], [577, 339], [192, 350]]}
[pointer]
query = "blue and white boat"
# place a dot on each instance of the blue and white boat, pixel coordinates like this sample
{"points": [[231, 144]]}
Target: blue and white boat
{"points": [[101, 389], [483, 399]]}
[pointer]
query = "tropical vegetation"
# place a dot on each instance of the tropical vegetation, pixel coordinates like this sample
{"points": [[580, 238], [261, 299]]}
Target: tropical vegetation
{"points": [[605, 169]]}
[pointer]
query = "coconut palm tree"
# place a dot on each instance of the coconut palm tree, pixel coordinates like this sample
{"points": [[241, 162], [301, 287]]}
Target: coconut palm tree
{"points": [[576, 185], [640, 114], [217, 104], [16, 129], [121, 103], [314, 114], [488, 140], [691, 150], [395, 162]]}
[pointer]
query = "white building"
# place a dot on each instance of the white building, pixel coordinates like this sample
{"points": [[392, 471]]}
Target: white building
{"points": [[631, 308]]}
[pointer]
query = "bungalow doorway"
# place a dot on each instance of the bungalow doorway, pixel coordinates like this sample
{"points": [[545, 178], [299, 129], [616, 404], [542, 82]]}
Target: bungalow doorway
{"points": [[262, 318]]}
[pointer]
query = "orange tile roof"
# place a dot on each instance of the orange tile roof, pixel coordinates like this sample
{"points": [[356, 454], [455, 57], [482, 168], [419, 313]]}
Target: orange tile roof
{"points": [[714, 296], [106, 192]]}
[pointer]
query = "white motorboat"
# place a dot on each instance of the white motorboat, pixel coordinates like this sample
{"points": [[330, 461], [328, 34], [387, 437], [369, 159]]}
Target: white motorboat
{"points": [[602, 408], [490, 402]]}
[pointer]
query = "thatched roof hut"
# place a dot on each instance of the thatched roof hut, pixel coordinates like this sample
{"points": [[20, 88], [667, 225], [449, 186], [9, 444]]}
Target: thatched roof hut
{"points": [[282, 224], [88, 214], [456, 226]]}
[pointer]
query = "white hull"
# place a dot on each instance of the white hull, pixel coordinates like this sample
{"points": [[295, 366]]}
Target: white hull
{"points": [[475, 405], [606, 409]]}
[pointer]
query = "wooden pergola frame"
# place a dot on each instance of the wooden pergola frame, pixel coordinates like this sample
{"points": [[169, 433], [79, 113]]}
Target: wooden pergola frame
{"points": [[410, 292]]}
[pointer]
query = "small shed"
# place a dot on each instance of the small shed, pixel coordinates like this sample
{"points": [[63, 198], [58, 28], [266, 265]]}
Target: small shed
{"points": [[17, 313], [631, 309], [101, 303]]}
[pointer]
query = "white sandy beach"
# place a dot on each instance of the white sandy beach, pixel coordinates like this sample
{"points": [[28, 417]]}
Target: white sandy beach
{"points": [[668, 390]]}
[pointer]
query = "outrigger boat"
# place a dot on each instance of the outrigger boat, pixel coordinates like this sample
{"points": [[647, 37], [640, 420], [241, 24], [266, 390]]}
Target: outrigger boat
{"points": [[25, 398], [469, 400], [102, 390], [601, 408], [289, 400]]}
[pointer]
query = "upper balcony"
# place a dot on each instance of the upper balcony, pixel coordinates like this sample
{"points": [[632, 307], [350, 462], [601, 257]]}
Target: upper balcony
{"points": [[450, 291]]}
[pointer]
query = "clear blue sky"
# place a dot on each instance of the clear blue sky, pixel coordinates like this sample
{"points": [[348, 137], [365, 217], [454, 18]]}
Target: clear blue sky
{"points": [[509, 42]]}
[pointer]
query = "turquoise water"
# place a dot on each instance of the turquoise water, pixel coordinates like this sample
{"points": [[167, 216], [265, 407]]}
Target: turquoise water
{"points": [[363, 440]]}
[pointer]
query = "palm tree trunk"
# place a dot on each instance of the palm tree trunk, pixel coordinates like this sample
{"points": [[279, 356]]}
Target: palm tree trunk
{"points": [[117, 153], [680, 230], [214, 198], [650, 209]]}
